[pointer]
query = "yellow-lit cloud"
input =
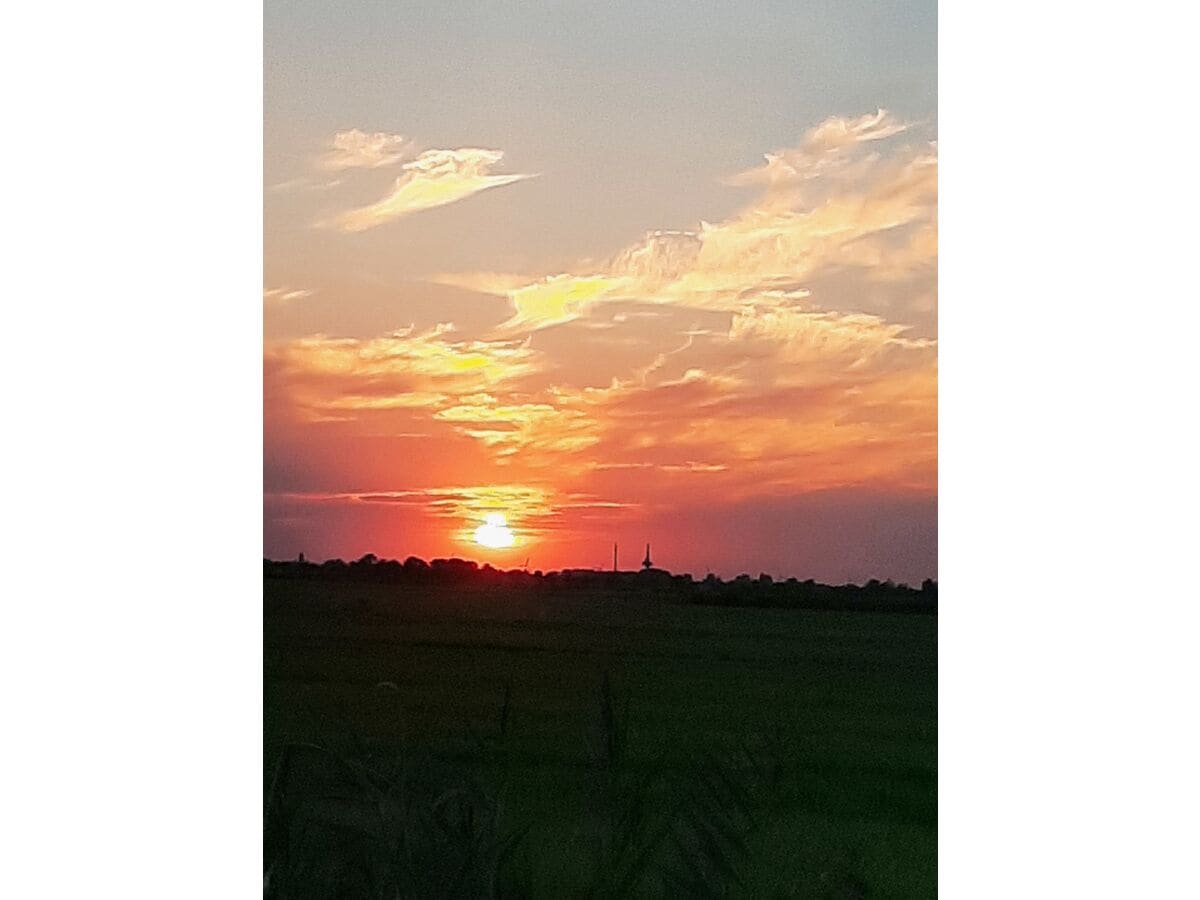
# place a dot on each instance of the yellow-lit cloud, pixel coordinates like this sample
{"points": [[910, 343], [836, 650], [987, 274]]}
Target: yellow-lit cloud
{"points": [[540, 431], [555, 300], [837, 206], [433, 179]]}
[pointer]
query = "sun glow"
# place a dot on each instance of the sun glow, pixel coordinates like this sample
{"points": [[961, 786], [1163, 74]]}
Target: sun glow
{"points": [[494, 532]]}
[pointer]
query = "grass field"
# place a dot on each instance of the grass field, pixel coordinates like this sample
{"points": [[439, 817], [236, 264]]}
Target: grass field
{"points": [[614, 746]]}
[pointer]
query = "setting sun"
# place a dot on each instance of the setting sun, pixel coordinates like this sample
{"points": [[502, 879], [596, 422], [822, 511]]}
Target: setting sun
{"points": [[494, 532]]}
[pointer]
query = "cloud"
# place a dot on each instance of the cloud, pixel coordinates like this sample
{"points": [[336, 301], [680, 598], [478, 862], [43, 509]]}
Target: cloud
{"points": [[659, 258], [822, 344], [634, 273], [692, 466], [786, 349], [787, 401], [836, 215], [303, 183], [356, 149], [402, 370], [557, 299], [498, 283], [822, 150], [433, 179], [532, 510], [538, 431], [281, 295]]}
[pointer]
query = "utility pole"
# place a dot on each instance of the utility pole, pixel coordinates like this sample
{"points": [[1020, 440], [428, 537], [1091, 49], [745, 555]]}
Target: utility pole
{"points": [[614, 556]]}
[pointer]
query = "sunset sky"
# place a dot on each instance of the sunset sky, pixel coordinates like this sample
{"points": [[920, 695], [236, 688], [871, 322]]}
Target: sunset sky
{"points": [[623, 272]]}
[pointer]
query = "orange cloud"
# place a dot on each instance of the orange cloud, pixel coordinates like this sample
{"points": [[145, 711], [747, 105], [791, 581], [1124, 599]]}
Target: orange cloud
{"points": [[786, 396], [788, 399], [535, 430], [532, 510], [404, 369]]}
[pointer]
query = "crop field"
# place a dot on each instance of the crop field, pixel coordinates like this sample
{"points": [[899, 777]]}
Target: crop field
{"points": [[476, 742]]}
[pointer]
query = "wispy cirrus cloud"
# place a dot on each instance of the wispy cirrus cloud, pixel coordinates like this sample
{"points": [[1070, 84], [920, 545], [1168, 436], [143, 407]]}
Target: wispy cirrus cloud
{"points": [[406, 369], [282, 295], [827, 147], [303, 183], [431, 178], [538, 430], [787, 400], [347, 150], [435, 178], [841, 204], [355, 149]]}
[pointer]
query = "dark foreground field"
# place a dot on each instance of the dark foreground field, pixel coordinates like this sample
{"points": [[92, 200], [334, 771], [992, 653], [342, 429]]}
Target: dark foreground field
{"points": [[474, 742]]}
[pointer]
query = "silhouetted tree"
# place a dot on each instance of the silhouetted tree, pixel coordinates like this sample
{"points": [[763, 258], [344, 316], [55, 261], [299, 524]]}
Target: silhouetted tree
{"points": [[742, 591], [414, 565]]}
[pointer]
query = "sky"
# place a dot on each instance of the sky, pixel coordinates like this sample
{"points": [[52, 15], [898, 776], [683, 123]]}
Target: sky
{"points": [[636, 273]]}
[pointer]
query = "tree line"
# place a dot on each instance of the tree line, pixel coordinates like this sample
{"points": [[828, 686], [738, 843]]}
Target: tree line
{"points": [[763, 591]]}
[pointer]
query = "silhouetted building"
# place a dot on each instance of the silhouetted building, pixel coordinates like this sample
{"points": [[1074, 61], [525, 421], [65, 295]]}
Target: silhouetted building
{"points": [[646, 564]]}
